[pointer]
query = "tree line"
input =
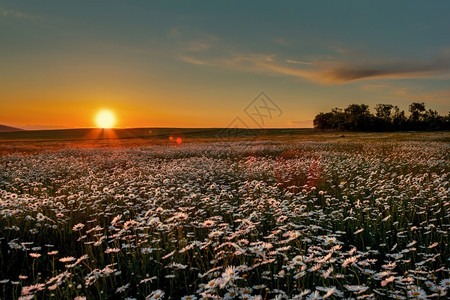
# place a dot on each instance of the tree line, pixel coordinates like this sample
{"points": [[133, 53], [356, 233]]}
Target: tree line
{"points": [[387, 117]]}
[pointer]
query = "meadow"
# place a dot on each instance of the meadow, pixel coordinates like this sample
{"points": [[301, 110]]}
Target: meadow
{"points": [[282, 216]]}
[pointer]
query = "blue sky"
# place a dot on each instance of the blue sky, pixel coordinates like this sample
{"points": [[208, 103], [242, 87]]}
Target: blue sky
{"points": [[199, 64]]}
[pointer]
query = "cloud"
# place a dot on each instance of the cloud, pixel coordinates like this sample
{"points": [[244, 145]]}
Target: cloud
{"points": [[293, 61], [301, 124], [375, 87], [191, 39], [193, 60], [17, 14], [327, 71], [264, 63], [330, 72], [400, 92], [439, 97], [394, 70]]}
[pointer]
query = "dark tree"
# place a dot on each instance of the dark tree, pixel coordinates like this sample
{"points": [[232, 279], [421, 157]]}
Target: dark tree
{"points": [[399, 120], [323, 121], [338, 120], [384, 116], [417, 111], [417, 116], [357, 117], [384, 111]]}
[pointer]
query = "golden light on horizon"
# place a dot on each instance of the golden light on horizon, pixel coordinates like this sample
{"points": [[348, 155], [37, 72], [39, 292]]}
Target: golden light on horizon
{"points": [[105, 119]]}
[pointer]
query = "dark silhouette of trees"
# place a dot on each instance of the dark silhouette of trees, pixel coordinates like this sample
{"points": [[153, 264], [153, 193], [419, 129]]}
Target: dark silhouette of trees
{"points": [[357, 117], [417, 115], [324, 120], [399, 120]]}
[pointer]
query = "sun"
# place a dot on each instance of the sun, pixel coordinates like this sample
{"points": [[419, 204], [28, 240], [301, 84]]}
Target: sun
{"points": [[105, 119]]}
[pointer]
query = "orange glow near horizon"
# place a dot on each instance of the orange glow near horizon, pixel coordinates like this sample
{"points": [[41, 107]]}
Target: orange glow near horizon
{"points": [[105, 119]]}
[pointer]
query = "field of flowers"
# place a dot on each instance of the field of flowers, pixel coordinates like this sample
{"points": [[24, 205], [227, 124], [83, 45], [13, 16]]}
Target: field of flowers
{"points": [[360, 219]]}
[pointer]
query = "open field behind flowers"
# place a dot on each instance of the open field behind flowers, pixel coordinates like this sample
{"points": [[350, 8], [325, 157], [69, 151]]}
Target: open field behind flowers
{"points": [[360, 217]]}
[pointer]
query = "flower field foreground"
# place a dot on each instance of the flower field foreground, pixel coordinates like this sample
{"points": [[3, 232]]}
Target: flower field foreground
{"points": [[243, 220]]}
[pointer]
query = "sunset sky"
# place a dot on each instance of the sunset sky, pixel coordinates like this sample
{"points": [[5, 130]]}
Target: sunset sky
{"points": [[180, 64]]}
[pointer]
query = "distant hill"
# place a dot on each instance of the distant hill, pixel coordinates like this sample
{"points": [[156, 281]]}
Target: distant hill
{"points": [[4, 128]]}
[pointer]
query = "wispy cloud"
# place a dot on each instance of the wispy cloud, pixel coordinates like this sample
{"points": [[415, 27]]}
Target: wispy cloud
{"points": [[435, 96], [298, 62], [375, 87], [257, 63], [301, 124], [191, 39], [400, 92], [18, 14], [282, 41], [336, 70], [395, 70], [193, 60]]}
